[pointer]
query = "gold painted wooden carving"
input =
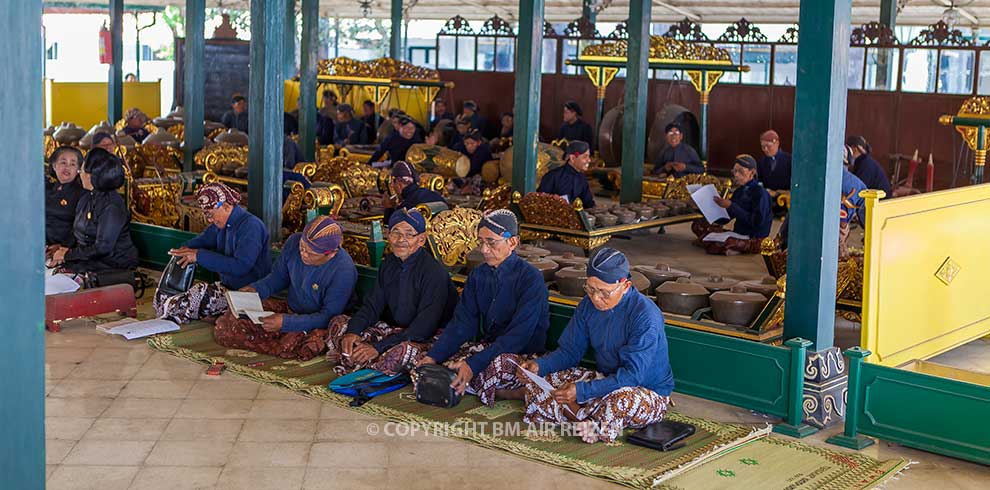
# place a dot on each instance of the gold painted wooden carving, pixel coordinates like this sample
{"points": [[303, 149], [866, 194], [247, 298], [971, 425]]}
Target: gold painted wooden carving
{"points": [[454, 234], [549, 210], [383, 68]]}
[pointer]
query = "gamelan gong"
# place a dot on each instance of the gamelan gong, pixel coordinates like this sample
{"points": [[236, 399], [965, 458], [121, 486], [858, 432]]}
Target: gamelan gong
{"points": [[438, 160], [610, 132]]}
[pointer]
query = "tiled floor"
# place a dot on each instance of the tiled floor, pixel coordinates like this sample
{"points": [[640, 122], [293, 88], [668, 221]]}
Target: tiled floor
{"points": [[120, 415]]}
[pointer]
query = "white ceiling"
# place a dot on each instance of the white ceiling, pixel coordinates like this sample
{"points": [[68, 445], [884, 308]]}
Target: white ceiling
{"points": [[915, 12]]}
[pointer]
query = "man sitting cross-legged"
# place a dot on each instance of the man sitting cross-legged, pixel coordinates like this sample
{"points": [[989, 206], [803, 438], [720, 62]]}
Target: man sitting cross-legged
{"points": [[320, 277], [413, 296], [633, 383], [503, 314]]}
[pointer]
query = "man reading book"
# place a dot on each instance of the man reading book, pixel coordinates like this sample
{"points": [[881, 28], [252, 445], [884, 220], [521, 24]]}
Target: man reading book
{"points": [[319, 277]]}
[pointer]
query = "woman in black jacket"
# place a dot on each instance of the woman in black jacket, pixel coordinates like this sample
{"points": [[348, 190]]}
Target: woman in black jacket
{"points": [[101, 232], [62, 192]]}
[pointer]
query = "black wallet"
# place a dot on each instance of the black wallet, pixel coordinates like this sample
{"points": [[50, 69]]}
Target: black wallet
{"points": [[662, 436], [433, 386], [176, 279]]}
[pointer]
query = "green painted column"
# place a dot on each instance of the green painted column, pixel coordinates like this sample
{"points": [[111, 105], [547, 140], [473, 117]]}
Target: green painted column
{"points": [[819, 127], [888, 13], [22, 352], [526, 130], [888, 17], [289, 41], [634, 115], [395, 38], [588, 11], [265, 108], [850, 437], [307, 78], [115, 78], [194, 81]]}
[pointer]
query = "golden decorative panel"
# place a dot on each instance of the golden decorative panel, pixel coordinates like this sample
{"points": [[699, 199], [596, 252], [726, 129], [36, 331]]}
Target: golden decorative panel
{"points": [[385, 68], [454, 234], [545, 209], [661, 49]]}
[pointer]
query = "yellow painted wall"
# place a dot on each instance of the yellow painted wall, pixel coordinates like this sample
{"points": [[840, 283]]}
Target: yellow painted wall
{"points": [[85, 103]]}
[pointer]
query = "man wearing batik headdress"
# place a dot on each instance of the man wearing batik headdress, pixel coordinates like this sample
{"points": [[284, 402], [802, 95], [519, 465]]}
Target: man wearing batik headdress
{"points": [[504, 304], [631, 388], [234, 246], [319, 277], [411, 299]]}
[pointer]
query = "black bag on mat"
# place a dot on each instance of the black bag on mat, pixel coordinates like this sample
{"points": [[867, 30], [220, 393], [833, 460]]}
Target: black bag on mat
{"points": [[662, 436], [176, 279], [433, 386]]}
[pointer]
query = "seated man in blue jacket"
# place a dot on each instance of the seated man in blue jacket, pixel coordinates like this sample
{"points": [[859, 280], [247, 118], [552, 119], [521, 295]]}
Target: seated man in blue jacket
{"points": [[505, 304], [677, 158], [749, 207], [406, 191], [234, 246], [412, 298], [348, 130], [319, 277], [632, 386], [568, 180]]}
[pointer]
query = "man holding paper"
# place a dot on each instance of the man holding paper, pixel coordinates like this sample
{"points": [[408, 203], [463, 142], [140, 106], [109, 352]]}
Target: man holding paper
{"points": [[505, 304], [320, 278], [633, 383], [749, 207]]}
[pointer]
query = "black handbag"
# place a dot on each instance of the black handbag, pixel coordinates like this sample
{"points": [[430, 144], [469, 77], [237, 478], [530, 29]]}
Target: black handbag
{"points": [[662, 436], [176, 279], [109, 278], [433, 386]]}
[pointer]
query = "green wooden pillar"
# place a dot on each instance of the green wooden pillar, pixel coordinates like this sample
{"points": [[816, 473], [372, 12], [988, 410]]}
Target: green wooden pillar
{"points": [[793, 425], [395, 38], [265, 122], [819, 127], [289, 40], [888, 13], [529, 75], [588, 11], [307, 78], [885, 69], [115, 79], [194, 81], [850, 437], [22, 353], [634, 116]]}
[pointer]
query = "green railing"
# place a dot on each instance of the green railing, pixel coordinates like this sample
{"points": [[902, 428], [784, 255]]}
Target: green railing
{"points": [[931, 413]]}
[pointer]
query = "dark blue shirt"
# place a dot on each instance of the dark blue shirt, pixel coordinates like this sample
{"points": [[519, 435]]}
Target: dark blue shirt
{"points": [[239, 252], [324, 129], [412, 196], [508, 306], [870, 172], [851, 187], [751, 210], [316, 293], [350, 133], [230, 119], [629, 343], [415, 294], [482, 155], [775, 172], [396, 146], [441, 117], [577, 131], [568, 182], [682, 153]]}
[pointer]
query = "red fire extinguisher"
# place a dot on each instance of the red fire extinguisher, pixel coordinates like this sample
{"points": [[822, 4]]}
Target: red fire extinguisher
{"points": [[106, 50]]}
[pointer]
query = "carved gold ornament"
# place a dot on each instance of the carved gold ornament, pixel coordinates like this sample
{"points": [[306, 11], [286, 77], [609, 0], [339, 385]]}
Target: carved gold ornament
{"points": [[662, 49], [383, 68], [948, 271], [455, 234], [549, 210]]}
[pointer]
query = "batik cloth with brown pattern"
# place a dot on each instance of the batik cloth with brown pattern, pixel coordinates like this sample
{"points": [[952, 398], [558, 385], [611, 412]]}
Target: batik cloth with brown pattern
{"points": [[202, 300], [398, 358], [628, 407], [499, 375], [731, 246], [236, 333]]}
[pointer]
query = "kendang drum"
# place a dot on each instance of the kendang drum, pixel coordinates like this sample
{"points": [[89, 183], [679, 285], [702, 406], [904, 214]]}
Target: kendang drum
{"points": [[437, 159], [548, 157]]}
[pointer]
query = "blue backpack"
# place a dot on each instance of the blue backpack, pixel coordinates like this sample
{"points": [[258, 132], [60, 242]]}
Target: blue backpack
{"points": [[366, 384]]}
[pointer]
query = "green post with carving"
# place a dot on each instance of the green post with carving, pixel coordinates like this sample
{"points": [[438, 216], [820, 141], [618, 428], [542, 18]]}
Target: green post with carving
{"points": [[849, 437], [795, 392]]}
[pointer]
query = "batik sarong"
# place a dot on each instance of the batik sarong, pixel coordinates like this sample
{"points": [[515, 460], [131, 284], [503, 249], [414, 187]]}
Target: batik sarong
{"points": [[202, 300], [398, 358], [237, 333]]}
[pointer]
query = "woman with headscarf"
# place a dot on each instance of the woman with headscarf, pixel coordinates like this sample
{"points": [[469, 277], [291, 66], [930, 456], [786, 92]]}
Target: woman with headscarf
{"points": [[749, 207], [319, 276], [631, 385], [234, 246], [864, 166], [62, 192], [501, 318], [101, 231]]}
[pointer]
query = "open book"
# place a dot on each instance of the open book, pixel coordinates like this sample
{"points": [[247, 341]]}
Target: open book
{"points": [[247, 304], [132, 329]]}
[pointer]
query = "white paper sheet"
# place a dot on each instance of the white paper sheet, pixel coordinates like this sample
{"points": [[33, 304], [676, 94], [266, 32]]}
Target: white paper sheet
{"points": [[244, 301], [705, 199], [146, 328], [723, 236], [256, 316], [60, 283], [542, 383], [693, 187]]}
